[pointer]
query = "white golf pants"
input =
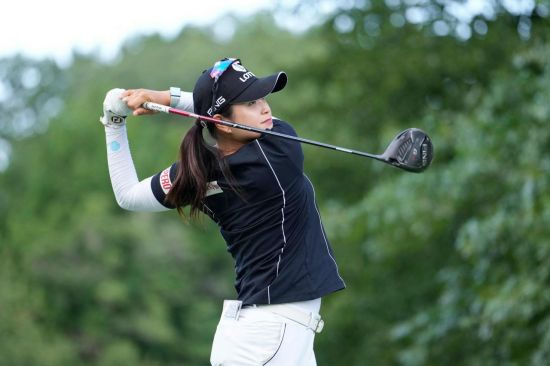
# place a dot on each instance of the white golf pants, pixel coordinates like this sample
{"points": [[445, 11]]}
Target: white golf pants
{"points": [[254, 336]]}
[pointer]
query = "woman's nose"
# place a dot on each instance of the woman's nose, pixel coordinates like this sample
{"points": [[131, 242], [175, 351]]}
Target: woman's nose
{"points": [[265, 106]]}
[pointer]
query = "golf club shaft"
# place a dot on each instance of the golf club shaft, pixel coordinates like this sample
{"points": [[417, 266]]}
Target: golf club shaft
{"points": [[165, 109]]}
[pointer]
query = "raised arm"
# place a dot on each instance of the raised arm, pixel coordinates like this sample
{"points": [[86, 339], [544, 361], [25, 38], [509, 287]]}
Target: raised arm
{"points": [[130, 193], [174, 97]]}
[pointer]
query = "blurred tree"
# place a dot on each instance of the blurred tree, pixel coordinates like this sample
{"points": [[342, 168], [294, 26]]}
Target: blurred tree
{"points": [[494, 307], [30, 94]]}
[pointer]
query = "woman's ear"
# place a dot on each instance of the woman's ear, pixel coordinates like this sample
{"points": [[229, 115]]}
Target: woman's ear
{"points": [[222, 128]]}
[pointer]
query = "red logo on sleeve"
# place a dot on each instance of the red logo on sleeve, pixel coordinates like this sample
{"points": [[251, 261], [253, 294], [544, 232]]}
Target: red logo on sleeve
{"points": [[165, 181]]}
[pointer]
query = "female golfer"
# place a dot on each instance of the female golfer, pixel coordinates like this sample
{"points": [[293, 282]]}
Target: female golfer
{"points": [[253, 186]]}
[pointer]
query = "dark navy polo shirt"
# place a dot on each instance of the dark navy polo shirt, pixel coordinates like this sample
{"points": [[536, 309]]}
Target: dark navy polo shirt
{"points": [[272, 226]]}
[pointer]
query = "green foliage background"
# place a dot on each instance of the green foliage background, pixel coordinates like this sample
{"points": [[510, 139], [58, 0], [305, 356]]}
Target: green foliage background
{"points": [[451, 266]]}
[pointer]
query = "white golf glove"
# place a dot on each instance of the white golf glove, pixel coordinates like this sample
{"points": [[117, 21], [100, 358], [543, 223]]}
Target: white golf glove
{"points": [[115, 110]]}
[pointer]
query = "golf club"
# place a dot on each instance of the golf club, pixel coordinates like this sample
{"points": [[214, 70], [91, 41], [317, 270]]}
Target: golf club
{"points": [[411, 149]]}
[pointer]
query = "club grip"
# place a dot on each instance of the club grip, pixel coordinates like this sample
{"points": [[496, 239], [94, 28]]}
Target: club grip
{"points": [[156, 107]]}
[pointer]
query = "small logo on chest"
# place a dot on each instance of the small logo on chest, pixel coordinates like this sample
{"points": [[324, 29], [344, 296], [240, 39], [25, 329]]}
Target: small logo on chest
{"points": [[213, 188]]}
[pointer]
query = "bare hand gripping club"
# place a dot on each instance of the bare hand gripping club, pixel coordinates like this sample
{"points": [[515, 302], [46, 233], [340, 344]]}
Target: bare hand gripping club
{"points": [[411, 149]]}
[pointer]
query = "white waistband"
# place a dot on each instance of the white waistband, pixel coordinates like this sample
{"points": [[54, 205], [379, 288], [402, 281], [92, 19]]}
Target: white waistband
{"points": [[302, 312], [309, 306], [309, 320]]}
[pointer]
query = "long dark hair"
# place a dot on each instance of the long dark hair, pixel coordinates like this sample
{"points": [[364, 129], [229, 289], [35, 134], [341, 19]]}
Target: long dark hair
{"points": [[199, 162]]}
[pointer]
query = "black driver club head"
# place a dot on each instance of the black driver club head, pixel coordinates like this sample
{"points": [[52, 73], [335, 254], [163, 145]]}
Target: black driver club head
{"points": [[411, 150]]}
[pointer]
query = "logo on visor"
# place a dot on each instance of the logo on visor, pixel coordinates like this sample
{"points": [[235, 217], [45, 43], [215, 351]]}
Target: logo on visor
{"points": [[219, 102], [246, 76], [238, 67]]}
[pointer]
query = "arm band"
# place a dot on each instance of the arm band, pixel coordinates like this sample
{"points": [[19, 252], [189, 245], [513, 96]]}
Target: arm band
{"points": [[184, 102]]}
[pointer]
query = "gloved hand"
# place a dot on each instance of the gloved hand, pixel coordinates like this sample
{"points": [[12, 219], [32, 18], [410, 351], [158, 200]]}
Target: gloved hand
{"points": [[115, 110]]}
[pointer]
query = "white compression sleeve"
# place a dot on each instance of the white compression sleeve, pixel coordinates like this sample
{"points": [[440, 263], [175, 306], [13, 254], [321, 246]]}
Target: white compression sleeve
{"points": [[130, 193], [185, 102]]}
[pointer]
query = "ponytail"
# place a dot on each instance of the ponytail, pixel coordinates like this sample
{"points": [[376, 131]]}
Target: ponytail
{"points": [[198, 163]]}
